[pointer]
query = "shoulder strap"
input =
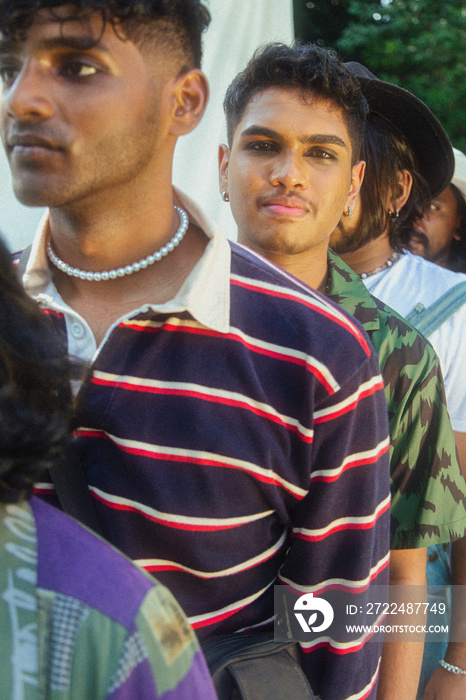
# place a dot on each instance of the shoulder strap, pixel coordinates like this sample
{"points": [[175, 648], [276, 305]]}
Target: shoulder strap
{"points": [[255, 666], [428, 320], [73, 491]]}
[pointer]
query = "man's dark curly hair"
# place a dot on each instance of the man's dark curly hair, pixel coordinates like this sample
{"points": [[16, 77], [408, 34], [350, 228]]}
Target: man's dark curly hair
{"points": [[316, 71], [35, 401], [174, 25]]}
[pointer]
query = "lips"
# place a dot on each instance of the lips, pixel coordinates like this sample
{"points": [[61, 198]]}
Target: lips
{"points": [[30, 141], [26, 150], [283, 206]]}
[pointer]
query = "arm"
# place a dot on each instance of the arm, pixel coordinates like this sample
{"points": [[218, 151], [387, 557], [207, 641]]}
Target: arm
{"points": [[460, 439], [341, 532], [401, 661], [444, 685], [423, 467]]}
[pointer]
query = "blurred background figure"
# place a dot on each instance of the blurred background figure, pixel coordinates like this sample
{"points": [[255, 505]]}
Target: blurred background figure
{"points": [[78, 621], [440, 236]]}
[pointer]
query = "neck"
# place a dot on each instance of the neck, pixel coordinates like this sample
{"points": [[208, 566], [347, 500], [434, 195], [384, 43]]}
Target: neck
{"points": [[103, 235], [102, 302], [309, 266], [368, 257], [442, 259]]}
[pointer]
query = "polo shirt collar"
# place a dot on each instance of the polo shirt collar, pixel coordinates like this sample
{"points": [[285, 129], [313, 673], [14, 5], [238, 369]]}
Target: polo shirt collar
{"points": [[205, 293]]}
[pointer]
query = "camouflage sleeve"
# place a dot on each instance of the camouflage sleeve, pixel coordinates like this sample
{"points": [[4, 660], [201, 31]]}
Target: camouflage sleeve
{"points": [[427, 488]]}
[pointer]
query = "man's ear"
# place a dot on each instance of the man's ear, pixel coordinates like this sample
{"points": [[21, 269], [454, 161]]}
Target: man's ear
{"points": [[190, 93], [223, 160], [457, 236], [357, 176], [404, 184]]}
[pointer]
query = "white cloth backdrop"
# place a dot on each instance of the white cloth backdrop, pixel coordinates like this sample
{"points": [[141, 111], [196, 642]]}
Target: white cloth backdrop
{"points": [[17, 222], [238, 27]]}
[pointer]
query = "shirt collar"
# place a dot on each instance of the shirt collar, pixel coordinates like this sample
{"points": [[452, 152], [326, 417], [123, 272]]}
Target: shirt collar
{"points": [[205, 293], [348, 290]]}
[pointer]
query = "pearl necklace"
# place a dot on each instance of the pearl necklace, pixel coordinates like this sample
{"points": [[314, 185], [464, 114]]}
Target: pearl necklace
{"points": [[391, 261], [129, 269]]}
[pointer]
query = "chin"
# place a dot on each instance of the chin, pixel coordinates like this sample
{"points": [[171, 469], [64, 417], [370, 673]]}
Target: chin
{"points": [[31, 199], [417, 250], [39, 188], [30, 194], [36, 197]]}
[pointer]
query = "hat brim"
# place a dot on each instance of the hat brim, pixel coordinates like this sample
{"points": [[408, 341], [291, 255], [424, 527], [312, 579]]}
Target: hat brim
{"points": [[422, 129]]}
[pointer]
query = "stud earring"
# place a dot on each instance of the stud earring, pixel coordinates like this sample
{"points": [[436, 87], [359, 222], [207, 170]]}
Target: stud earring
{"points": [[394, 214], [225, 196]]}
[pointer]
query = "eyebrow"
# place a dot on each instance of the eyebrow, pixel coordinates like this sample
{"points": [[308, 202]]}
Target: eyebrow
{"points": [[77, 42], [256, 130]]}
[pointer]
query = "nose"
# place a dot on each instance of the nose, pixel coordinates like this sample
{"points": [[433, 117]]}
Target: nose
{"points": [[289, 172], [419, 224], [27, 98]]}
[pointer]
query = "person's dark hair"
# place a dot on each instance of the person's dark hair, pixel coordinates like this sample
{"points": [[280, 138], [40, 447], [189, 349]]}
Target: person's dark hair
{"points": [[174, 25], [457, 255], [386, 152], [309, 67], [35, 401]]}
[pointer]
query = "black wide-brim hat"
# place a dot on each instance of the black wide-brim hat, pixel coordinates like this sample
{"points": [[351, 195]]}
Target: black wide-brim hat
{"points": [[423, 131]]}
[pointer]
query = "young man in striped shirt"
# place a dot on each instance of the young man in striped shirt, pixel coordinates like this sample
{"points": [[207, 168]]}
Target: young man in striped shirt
{"points": [[287, 171], [233, 427]]}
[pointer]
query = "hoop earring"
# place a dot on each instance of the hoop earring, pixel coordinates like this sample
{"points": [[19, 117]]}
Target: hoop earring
{"points": [[394, 214], [348, 212], [225, 196]]}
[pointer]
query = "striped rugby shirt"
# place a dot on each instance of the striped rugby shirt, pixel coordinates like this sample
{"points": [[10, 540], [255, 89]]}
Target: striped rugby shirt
{"points": [[235, 438]]}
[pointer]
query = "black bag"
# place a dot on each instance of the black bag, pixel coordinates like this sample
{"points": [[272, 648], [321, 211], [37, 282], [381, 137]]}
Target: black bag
{"points": [[253, 666]]}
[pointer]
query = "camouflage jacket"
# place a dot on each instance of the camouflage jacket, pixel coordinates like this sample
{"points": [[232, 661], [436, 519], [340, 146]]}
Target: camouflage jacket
{"points": [[427, 488]]}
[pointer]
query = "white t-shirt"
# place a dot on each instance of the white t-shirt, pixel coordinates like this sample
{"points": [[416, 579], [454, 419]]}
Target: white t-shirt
{"points": [[412, 280]]}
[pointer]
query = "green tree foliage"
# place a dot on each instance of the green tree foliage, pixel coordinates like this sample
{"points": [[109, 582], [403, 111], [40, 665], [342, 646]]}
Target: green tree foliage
{"points": [[419, 45], [320, 21]]}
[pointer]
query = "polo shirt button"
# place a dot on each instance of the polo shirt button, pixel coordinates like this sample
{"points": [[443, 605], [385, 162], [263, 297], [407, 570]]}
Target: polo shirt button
{"points": [[433, 556], [77, 330]]}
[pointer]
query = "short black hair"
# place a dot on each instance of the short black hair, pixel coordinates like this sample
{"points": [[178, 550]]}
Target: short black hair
{"points": [[176, 25], [387, 152], [35, 395], [309, 67]]}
